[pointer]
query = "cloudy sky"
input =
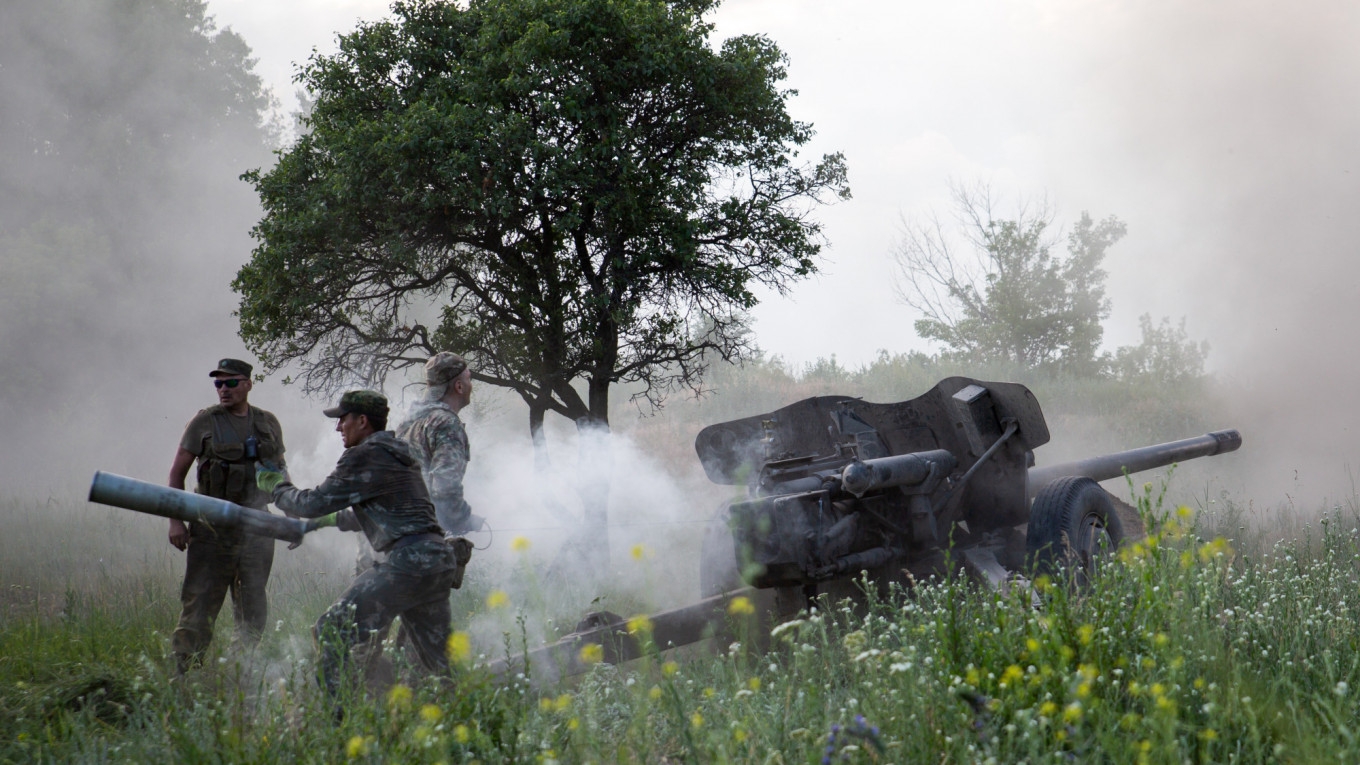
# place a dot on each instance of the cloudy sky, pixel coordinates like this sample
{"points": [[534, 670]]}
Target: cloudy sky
{"points": [[1224, 134], [1221, 133]]}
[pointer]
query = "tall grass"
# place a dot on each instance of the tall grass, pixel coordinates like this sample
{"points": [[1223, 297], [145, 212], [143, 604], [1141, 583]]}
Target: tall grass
{"points": [[1208, 641]]}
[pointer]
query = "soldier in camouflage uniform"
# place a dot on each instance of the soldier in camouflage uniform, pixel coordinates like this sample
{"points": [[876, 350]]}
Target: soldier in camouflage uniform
{"points": [[378, 480], [228, 441], [440, 443]]}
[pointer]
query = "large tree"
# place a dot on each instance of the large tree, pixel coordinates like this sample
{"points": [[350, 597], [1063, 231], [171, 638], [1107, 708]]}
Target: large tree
{"points": [[991, 289], [562, 190]]}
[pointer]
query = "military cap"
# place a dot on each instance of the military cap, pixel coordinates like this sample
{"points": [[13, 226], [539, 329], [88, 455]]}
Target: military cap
{"points": [[443, 368], [231, 367], [440, 371], [368, 402]]}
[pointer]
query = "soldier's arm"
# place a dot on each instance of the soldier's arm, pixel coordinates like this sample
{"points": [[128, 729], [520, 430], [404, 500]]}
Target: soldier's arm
{"points": [[278, 434], [179, 468], [341, 489], [448, 465]]}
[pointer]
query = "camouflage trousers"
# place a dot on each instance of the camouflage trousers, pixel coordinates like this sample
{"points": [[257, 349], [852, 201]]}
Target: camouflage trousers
{"points": [[221, 561], [413, 583]]}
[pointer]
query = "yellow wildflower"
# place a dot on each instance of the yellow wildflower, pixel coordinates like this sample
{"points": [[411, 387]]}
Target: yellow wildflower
{"points": [[519, 544], [640, 624], [592, 653], [1072, 712], [640, 551], [431, 713], [1219, 547], [753, 684], [497, 599], [739, 734], [460, 734], [399, 697], [1012, 673], [654, 693], [669, 668], [1084, 633], [741, 606], [573, 724], [561, 703], [1209, 734], [1047, 709], [358, 746], [696, 720], [460, 646], [709, 691]]}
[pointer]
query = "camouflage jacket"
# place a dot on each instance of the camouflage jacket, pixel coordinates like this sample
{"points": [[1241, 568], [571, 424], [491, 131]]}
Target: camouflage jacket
{"points": [[380, 481], [439, 442]]}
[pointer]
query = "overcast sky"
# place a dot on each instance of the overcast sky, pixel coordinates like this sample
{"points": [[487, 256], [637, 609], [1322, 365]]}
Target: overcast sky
{"points": [[1225, 134], [1193, 122]]}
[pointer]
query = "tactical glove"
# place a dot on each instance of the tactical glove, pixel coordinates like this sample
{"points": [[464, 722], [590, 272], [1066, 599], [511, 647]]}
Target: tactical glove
{"points": [[267, 476]]}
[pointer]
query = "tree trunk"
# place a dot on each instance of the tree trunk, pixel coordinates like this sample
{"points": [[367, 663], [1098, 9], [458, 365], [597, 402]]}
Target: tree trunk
{"points": [[596, 466]]}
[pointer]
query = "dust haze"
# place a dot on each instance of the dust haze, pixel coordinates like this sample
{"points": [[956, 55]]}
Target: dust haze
{"points": [[1222, 134]]}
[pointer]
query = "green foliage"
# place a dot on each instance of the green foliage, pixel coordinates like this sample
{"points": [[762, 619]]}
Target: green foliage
{"points": [[561, 190], [1166, 356], [1021, 304]]}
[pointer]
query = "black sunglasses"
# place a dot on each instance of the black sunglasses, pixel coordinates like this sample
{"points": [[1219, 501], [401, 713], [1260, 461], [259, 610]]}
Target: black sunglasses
{"points": [[232, 383]]}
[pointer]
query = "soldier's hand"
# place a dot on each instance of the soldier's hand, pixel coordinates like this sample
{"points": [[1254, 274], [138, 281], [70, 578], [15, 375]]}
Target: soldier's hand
{"points": [[267, 478], [179, 534]]}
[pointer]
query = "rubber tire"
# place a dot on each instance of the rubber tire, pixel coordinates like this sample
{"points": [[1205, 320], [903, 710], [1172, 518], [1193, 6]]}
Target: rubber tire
{"points": [[718, 570], [1071, 523]]}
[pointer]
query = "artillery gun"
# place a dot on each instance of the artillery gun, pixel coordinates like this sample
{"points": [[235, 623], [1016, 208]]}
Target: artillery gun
{"points": [[838, 489]]}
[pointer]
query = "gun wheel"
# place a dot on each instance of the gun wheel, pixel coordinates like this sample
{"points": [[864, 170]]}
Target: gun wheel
{"points": [[1072, 525]]}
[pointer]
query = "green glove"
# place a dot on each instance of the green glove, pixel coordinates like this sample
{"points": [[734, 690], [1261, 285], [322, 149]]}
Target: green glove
{"points": [[267, 476], [323, 521]]}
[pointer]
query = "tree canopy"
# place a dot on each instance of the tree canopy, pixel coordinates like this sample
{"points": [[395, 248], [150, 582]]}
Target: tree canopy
{"points": [[1009, 299], [561, 190]]}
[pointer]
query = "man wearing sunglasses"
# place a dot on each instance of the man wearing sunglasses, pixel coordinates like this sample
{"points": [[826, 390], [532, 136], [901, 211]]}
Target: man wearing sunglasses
{"points": [[227, 440]]}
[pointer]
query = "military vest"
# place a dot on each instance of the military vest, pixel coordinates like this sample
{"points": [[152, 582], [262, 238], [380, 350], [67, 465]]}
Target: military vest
{"points": [[226, 469]]}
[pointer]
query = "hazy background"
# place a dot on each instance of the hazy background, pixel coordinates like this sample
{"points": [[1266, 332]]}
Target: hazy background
{"points": [[1224, 135]]}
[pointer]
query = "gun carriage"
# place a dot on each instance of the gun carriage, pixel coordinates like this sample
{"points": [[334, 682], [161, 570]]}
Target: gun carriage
{"points": [[838, 489]]}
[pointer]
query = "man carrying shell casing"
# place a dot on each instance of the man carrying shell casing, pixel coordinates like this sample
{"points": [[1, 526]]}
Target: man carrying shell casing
{"points": [[228, 440], [379, 481]]}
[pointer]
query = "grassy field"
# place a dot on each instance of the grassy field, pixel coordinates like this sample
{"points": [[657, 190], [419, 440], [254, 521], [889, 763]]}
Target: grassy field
{"points": [[1212, 640]]}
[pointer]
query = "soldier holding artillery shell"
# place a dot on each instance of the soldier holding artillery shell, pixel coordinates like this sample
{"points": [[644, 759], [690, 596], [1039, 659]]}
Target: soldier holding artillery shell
{"points": [[379, 481]]}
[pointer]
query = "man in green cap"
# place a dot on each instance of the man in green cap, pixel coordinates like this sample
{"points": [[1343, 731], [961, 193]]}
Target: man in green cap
{"points": [[228, 440], [379, 481]]}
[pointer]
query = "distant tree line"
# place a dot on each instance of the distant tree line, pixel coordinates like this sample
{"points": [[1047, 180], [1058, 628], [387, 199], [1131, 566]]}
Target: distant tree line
{"points": [[992, 289]]}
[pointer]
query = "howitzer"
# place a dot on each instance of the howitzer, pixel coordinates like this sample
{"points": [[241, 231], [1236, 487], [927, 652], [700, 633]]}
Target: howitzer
{"points": [[839, 489], [150, 498]]}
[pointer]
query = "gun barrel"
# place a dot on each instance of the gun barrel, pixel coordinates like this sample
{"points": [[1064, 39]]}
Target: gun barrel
{"points": [[897, 470], [1137, 460], [150, 498]]}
